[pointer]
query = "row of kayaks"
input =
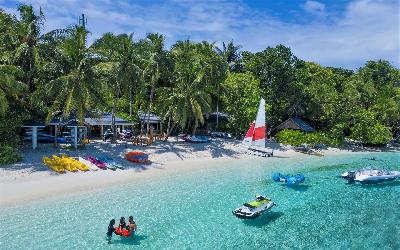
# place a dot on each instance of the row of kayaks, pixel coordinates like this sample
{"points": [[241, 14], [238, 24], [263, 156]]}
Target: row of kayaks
{"points": [[63, 163]]}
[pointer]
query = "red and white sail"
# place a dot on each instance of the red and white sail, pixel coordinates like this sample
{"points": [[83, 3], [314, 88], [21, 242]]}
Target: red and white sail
{"points": [[248, 138], [259, 128], [255, 136]]}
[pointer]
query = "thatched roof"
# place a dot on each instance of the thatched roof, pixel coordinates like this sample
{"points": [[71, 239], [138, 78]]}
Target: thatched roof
{"points": [[296, 124]]}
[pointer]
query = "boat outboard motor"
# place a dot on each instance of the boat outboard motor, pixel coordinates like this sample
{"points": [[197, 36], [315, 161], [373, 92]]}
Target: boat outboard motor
{"points": [[350, 176]]}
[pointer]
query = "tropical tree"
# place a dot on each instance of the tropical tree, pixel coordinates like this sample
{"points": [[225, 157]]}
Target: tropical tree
{"points": [[276, 69], [10, 88], [118, 66], [78, 88], [188, 101], [216, 68], [155, 62], [241, 94], [231, 55], [26, 53]]}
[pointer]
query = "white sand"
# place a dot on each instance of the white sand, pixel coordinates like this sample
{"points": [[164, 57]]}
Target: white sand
{"points": [[30, 180]]}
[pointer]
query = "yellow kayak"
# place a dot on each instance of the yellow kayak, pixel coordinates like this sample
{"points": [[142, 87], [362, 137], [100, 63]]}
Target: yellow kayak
{"points": [[72, 162], [53, 165], [65, 164]]}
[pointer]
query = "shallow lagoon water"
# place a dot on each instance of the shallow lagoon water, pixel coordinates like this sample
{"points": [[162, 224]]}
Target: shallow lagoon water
{"points": [[192, 210]]}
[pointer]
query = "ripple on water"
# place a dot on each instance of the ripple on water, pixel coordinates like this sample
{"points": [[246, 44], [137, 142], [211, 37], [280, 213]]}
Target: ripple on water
{"points": [[193, 210]]}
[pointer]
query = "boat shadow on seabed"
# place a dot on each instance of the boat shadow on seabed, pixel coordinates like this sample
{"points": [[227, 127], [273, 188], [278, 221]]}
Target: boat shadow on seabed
{"points": [[264, 219], [393, 183]]}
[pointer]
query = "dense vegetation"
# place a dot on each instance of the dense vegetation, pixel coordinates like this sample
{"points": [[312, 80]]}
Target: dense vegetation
{"points": [[44, 74]]}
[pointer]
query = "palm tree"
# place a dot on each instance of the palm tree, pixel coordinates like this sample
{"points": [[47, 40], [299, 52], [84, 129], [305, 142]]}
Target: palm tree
{"points": [[216, 67], [156, 60], [77, 89], [119, 66], [188, 101], [10, 88], [28, 32]]}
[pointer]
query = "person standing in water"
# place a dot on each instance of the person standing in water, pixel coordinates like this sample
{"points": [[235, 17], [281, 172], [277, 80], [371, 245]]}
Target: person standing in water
{"points": [[131, 225], [110, 230], [122, 224]]}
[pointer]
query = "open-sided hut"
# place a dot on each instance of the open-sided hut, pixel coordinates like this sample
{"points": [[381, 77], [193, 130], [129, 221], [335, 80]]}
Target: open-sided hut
{"points": [[295, 124]]}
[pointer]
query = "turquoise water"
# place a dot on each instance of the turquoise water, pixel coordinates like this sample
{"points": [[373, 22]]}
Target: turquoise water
{"points": [[193, 210]]}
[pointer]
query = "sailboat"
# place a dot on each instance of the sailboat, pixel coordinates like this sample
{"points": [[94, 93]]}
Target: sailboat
{"points": [[254, 140]]}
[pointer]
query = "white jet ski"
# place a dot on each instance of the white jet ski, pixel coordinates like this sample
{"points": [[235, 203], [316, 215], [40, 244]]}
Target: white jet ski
{"points": [[253, 209], [370, 176]]}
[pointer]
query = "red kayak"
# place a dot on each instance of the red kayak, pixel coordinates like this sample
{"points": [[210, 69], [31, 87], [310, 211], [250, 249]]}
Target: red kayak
{"points": [[122, 232], [137, 157]]}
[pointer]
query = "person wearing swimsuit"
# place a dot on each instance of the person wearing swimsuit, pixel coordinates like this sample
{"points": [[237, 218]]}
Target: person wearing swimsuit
{"points": [[131, 225], [110, 230], [122, 224]]}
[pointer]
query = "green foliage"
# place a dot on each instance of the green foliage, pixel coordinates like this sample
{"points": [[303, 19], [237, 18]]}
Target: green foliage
{"points": [[42, 74], [241, 95], [296, 138], [369, 131], [188, 101], [276, 70], [10, 125], [8, 154]]}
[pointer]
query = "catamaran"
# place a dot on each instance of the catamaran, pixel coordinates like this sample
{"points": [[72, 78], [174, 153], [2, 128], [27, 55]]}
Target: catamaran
{"points": [[254, 140]]}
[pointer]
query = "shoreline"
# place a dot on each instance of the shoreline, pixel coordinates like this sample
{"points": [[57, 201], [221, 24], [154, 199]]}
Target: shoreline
{"points": [[167, 159]]}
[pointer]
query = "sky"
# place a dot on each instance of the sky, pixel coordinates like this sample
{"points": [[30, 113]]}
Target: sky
{"points": [[339, 33]]}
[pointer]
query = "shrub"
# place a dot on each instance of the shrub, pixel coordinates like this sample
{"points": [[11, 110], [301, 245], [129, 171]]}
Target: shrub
{"points": [[291, 137], [296, 138], [8, 154], [375, 134]]}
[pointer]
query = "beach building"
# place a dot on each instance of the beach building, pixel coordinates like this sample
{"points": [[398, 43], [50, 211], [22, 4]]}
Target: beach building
{"points": [[295, 124], [153, 119], [69, 133], [97, 125]]}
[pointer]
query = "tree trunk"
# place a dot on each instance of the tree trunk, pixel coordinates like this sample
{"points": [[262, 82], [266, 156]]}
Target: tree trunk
{"points": [[170, 129], [55, 135], [130, 102], [194, 128], [217, 107], [148, 108], [113, 127]]}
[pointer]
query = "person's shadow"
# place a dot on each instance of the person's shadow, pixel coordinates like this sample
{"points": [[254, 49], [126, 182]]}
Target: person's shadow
{"points": [[133, 241]]}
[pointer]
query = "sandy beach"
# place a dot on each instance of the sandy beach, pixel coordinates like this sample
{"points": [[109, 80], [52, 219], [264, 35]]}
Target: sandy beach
{"points": [[31, 180]]}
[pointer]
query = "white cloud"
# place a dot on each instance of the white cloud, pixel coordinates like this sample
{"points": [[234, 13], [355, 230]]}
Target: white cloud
{"points": [[314, 7], [365, 30]]}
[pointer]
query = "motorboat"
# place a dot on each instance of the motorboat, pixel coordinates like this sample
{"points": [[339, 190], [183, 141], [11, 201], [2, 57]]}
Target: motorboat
{"points": [[253, 209], [370, 176]]}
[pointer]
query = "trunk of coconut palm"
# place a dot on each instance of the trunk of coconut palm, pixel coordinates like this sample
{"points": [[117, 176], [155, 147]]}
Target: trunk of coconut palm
{"points": [[194, 127], [169, 129], [55, 135], [113, 127], [130, 102], [148, 108]]}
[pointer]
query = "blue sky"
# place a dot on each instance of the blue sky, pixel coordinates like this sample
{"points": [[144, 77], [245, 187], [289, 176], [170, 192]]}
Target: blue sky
{"points": [[343, 33]]}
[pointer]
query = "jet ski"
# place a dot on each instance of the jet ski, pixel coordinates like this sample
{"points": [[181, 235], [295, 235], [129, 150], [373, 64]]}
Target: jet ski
{"points": [[370, 176], [253, 209]]}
